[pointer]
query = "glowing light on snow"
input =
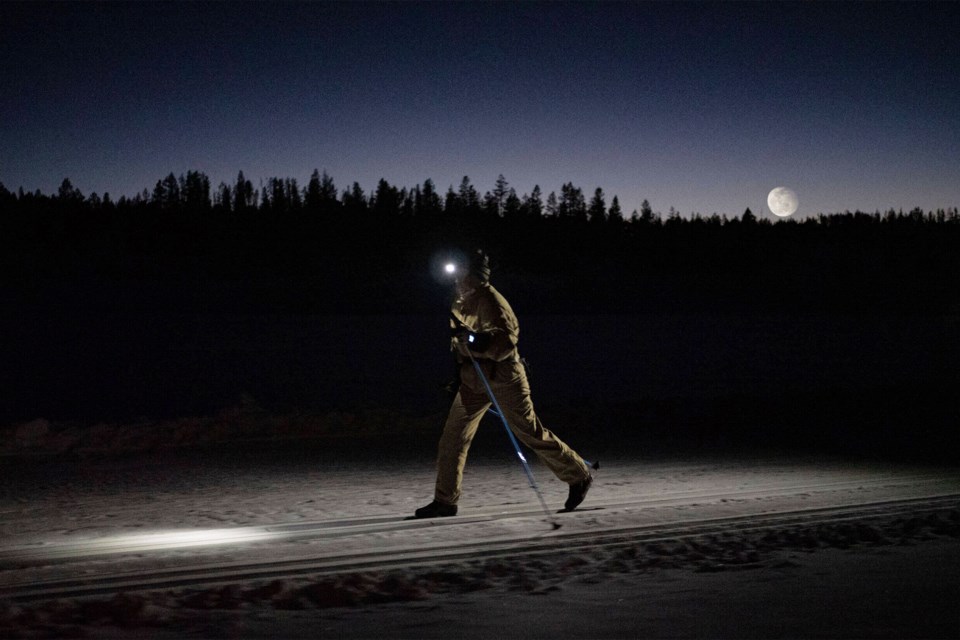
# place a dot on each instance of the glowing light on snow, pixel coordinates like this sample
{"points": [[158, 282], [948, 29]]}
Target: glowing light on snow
{"points": [[179, 539]]}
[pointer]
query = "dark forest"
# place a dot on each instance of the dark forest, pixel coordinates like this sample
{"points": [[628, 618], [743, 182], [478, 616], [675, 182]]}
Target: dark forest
{"points": [[179, 301], [282, 249]]}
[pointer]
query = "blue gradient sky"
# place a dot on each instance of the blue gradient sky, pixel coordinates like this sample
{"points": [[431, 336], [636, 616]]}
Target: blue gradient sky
{"points": [[702, 107]]}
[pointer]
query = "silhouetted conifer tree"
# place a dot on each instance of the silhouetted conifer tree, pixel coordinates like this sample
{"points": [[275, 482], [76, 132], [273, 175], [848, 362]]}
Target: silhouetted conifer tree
{"points": [[452, 206], [615, 215], [294, 201], [223, 198], [244, 197], [469, 198], [320, 196], [195, 191], [281, 196], [354, 202], [407, 201], [430, 205], [533, 204], [647, 216], [67, 193], [166, 193], [311, 197], [673, 217], [266, 195], [500, 193], [490, 206], [512, 208], [597, 213], [278, 195], [157, 198], [572, 204], [552, 209], [386, 200]]}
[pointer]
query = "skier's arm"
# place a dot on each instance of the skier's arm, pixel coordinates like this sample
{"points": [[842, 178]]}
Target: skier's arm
{"points": [[496, 338]]}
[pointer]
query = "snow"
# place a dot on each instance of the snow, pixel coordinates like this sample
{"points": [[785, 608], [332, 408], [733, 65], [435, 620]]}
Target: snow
{"points": [[882, 575]]}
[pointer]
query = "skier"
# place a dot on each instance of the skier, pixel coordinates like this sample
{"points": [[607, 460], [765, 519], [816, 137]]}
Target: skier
{"points": [[483, 325]]}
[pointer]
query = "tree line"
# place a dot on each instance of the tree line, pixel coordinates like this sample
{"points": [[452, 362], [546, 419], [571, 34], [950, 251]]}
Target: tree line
{"points": [[192, 192], [281, 247]]}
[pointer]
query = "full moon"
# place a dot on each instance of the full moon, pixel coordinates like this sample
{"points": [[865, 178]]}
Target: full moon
{"points": [[782, 202]]}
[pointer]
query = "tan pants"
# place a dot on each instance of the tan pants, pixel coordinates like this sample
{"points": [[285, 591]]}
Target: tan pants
{"points": [[512, 390]]}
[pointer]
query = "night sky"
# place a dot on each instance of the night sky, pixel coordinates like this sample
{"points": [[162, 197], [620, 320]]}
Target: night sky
{"points": [[701, 107]]}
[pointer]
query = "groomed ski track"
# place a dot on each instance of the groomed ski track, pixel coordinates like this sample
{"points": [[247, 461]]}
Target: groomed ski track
{"points": [[319, 547]]}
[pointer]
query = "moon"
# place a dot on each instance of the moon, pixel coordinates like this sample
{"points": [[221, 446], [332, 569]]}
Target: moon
{"points": [[782, 202]]}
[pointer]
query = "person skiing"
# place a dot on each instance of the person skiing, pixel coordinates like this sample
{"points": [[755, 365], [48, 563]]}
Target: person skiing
{"points": [[483, 325]]}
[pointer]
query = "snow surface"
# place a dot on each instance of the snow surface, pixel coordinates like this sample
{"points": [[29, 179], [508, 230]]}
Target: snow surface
{"points": [[890, 576]]}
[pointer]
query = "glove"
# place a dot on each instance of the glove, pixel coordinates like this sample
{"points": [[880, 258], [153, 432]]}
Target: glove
{"points": [[477, 340], [473, 340]]}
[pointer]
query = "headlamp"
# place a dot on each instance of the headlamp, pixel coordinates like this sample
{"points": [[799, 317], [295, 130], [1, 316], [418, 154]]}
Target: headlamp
{"points": [[448, 266]]}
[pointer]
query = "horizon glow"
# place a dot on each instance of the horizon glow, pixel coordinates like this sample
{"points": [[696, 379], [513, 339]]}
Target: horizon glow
{"points": [[698, 107]]}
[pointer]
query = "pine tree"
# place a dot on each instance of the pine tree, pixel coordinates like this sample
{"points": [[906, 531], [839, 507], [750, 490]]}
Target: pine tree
{"points": [[533, 204], [430, 204], [500, 193], [354, 201], [68, 194], [469, 199], [328, 193], [597, 213], [280, 196], [294, 201], [311, 196], [157, 197], [320, 196], [223, 199], [452, 206], [407, 202], [244, 197], [572, 204], [615, 215], [490, 206], [386, 201], [512, 208], [646, 212], [166, 193], [195, 191], [552, 208]]}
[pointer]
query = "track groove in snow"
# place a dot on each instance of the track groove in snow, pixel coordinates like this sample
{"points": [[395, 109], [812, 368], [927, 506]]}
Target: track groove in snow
{"points": [[445, 553], [16, 556]]}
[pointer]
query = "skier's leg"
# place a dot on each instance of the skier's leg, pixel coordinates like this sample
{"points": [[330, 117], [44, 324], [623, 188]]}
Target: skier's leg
{"points": [[514, 399], [458, 432], [559, 458]]}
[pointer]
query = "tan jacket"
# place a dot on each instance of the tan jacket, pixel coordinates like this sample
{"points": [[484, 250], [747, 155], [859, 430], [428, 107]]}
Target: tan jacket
{"points": [[485, 310]]}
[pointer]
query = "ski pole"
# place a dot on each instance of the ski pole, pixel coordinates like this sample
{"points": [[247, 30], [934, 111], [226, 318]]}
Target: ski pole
{"points": [[513, 439]]}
